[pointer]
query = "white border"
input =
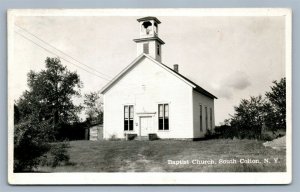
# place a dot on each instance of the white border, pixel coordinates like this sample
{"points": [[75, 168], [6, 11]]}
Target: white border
{"points": [[153, 177]]}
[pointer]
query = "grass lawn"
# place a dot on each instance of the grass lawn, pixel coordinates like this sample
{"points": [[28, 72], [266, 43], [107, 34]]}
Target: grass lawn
{"points": [[146, 156]]}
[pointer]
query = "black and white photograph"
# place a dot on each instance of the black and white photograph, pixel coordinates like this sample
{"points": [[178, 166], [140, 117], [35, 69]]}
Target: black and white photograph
{"points": [[149, 96]]}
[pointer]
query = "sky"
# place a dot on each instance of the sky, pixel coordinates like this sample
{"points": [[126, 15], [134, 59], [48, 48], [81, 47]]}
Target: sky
{"points": [[231, 57]]}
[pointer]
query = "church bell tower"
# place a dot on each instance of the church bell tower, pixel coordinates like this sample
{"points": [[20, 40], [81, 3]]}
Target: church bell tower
{"points": [[149, 42]]}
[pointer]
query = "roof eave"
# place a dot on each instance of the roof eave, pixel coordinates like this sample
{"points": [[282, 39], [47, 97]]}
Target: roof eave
{"points": [[149, 18], [111, 82], [149, 39], [206, 93]]}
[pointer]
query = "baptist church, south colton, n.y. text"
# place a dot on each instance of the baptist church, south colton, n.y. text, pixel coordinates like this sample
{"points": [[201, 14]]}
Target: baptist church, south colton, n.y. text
{"points": [[149, 98]]}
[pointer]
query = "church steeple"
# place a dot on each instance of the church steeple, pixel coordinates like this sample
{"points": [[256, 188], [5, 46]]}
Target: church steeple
{"points": [[149, 42]]}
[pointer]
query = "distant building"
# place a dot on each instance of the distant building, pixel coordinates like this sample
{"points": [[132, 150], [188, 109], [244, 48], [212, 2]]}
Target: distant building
{"points": [[148, 97], [95, 132]]}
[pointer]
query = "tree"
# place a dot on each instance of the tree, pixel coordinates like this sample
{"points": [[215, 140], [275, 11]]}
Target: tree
{"points": [[41, 111], [277, 99], [249, 117], [50, 94], [94, 107], [16, 114], [253, 116]]}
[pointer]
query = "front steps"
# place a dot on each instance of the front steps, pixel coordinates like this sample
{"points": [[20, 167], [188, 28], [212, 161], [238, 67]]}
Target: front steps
{"points": [[142, 138], [149, 137]]}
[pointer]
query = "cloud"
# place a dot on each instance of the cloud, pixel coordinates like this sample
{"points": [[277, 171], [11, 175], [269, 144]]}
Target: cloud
{"points": [[220, 91], [229, 84], [224, 93], [237, 80]]}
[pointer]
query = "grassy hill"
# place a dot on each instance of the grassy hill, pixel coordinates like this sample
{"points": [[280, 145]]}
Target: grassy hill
{"points": [[171, 156]]}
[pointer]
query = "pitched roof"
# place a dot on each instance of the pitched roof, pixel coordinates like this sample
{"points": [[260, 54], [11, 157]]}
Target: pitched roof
{"points": [[196, 87]]}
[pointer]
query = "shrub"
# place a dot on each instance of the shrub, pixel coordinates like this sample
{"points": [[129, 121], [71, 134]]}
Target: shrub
{"points": [[267, 137], [271, 135], [153, 136], [225, 132], [29, 145], [58, 155], [209, 134]]}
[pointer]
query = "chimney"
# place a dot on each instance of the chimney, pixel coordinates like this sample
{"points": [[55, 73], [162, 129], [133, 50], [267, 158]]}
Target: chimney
{"points": [[176, 68]]}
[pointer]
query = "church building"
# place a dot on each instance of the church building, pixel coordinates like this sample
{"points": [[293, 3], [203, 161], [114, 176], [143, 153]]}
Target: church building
{"points": [[148, 98]]}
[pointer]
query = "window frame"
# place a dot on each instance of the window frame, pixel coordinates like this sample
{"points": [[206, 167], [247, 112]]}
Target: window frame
{"points": [[201, 118], [210, 118], [129, 117], [158, 49], [164, 117]]}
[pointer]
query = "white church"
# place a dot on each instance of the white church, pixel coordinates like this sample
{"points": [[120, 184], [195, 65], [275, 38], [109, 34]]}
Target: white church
{"points": [[149, 98]]}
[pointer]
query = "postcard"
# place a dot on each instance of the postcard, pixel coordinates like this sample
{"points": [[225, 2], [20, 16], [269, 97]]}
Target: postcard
{"points": [[149, 96]]}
